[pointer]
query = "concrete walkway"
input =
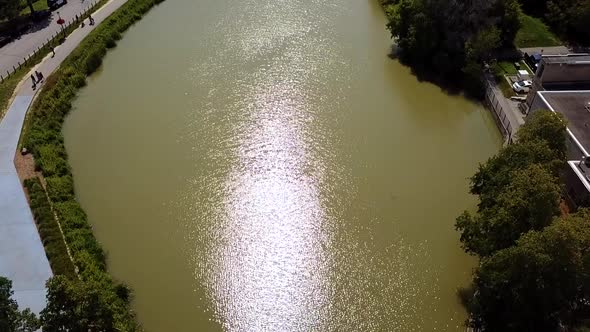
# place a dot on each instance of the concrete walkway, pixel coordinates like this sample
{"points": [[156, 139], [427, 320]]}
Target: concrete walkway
{"points": [[22, 257], [15, 51], [514, 117]]}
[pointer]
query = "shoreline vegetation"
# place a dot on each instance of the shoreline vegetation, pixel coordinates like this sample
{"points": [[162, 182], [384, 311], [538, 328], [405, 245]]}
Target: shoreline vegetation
{"points": [[534, 263], [449, 42], [98, 301]]}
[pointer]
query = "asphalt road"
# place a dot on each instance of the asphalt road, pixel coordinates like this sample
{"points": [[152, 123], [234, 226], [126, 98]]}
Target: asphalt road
{"points": [[12, 53]]}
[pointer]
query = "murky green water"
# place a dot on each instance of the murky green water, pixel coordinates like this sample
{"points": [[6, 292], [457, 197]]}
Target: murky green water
{"points": [[264, 166]]}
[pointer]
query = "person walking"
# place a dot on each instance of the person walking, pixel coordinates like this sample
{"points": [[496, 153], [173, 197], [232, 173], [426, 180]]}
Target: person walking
{"points": [[39, 76], [52, 51], [33, 79]]}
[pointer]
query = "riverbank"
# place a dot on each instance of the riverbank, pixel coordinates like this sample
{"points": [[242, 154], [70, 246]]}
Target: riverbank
{"points": [[43, 138], [84, 50], [285, 126]]}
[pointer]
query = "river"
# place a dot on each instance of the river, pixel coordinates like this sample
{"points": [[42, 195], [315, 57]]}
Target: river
{"points": [[263, 165]]}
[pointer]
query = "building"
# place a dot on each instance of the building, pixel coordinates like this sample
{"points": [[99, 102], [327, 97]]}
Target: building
{"points": [[561, 72], [574, 105]]}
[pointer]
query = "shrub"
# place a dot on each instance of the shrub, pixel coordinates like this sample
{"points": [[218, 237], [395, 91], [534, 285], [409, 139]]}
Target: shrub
{"points": [[49, 232]]}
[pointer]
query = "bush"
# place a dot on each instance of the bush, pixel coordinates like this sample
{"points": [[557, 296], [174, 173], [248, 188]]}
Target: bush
{"points": [[49, 232], [61, 189]]}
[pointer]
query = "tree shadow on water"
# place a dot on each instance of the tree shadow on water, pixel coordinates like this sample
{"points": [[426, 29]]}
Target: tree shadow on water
{"points": [[451, 84]]}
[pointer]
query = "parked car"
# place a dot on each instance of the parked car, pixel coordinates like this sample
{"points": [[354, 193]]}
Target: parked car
{"points": [[55, 4], [533, 60], [521, 86]]}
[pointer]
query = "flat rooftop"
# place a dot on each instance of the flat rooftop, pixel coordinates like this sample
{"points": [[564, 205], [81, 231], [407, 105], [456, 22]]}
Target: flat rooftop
{"points": [[569, 59], [575, 106]]}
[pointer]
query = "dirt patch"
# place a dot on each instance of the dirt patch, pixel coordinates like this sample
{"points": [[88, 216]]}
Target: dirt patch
{"points": [[25, 167]]}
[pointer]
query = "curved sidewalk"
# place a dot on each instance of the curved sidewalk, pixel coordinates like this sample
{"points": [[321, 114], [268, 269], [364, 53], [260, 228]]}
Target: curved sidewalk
{"points": [[22, 256]]}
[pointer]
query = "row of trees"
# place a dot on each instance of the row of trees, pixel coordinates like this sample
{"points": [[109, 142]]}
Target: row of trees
{"points": [[568, 18], [453, 37], [534, 272], [71, 306]]}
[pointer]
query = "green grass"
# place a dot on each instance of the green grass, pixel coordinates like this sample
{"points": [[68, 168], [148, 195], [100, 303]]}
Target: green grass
{"points": [[53, 242], [505, 88], [506, 68], [37, 5], [535, 33]]}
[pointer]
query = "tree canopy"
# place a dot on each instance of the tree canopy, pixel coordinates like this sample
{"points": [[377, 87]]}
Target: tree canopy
{"points": [[73, 305], [518, 188], [452, 37], [12, 319], [539, 284], [9, 9], [534, 272]]}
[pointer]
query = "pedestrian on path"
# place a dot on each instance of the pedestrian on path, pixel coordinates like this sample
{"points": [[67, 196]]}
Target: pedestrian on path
{"points": [[91, 20], [33, 79], [39, 76], [52, 51]]}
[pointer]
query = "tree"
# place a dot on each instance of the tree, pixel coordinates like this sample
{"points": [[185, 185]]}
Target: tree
{"points": [[480, 47], [580, 16], [493, 176], [11, 319], [528, 202], [539, 284], [547, 126], [508, 13], [518, 188], [30, 4], [446, 39], [77, 306], [541, 140], [9, 9]]}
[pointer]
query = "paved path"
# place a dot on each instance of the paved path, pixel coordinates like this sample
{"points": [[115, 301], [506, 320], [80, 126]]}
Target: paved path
{"points": [[507, 107], [15, 51], [22, 257]]}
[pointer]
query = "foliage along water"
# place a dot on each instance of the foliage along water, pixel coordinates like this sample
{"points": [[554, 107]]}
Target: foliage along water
{"points": [[263, 165]]}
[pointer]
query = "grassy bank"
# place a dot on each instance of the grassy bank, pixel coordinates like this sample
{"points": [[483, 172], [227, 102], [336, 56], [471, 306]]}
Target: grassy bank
{"points": [[37, 6], [534, 33], [44, 139], [49, 230]]}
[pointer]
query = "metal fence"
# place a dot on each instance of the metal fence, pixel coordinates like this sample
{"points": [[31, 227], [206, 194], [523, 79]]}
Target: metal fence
{"points": [[54, 40], [494, 104]]}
